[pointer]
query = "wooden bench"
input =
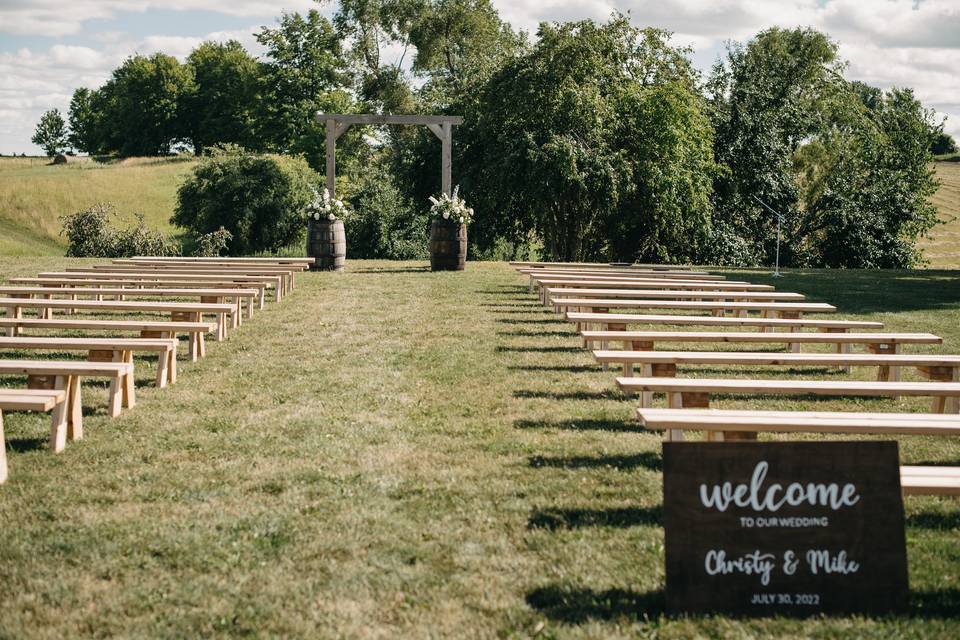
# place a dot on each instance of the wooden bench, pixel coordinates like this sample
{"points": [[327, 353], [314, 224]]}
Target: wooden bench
{"points": [[781, 309], [179, 311], [695, 392], [65, 375], [158, 278], [940, 368], [107, 350], [120, 293], [538, 282], [672, 294], [616, 265], [915, 480], [65, 283], [306, 261], [615, 273], [34, 400], [146, 328], [614, 325], [285, 274]]}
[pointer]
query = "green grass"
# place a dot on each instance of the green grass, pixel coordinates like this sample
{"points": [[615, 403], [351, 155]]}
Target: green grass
{"points": [[395, 453], [34, 194]]}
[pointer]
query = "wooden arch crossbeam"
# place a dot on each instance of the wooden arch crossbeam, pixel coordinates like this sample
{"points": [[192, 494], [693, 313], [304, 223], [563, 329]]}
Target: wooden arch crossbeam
{"points": [[442, 127]]}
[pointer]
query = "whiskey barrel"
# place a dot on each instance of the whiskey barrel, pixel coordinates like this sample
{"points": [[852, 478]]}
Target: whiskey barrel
{"points": [[327, 243], [448, 246]]}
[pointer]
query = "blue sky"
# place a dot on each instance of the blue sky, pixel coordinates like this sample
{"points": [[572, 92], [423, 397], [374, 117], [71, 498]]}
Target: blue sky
{"points": [[50, 47]]}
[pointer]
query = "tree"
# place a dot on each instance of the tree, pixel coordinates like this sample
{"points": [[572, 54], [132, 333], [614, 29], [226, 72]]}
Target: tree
{"points": [[223, 106], [557, 145], [304, 73], [83, 121], [51, 133], [141, 110], [943, 143]]}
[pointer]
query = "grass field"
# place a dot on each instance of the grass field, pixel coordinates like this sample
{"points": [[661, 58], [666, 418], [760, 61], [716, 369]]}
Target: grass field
{"points": [[395, 453], [34, 194], [942, 248]]}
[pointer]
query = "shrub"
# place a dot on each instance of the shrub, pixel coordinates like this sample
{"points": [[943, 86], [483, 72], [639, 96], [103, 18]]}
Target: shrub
{"points": [[211, 245], [383, 223], [91, 234], [259, 200]]}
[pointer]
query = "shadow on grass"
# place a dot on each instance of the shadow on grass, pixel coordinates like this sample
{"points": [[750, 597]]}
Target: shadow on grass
{"points": [[934, 520], [869, 291], [944, 603], [579, 605], [392, 271], [23, 445], [529, 310], [618, 426], [532, 334], [579, 368], [509, 305], [539, 349], [542, 321], [621, 517], [646, 460], [606, 394]]}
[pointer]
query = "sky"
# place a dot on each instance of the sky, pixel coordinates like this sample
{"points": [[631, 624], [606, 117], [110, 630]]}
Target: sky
{"points": [[50, 47]]}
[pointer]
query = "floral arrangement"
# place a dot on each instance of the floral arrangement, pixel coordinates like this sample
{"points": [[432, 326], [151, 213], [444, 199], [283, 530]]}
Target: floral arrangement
{"points": [[451, 207], [324, 206]]}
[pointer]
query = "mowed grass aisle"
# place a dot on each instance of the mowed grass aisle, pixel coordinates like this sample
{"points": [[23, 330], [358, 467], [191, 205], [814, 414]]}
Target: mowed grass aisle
{"points": [[395, 453]]}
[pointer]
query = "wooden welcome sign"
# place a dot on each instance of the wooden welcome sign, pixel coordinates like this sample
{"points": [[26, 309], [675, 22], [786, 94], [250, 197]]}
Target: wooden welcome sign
{"points": [[783, 528]]}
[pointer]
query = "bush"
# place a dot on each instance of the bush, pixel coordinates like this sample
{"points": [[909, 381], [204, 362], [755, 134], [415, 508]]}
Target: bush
{"points": [[211, 245], [384, 224], [91, 234], [724, 247], [259, 200]]}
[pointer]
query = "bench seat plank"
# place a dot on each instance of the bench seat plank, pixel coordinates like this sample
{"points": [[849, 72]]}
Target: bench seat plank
{"points": [[598, 283], [40, 400], [705, 294], [815, 387], [122, 349], [780, 307], [786, 359]]}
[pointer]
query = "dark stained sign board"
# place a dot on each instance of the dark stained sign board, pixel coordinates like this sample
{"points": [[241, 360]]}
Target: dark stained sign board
{"points": [[783, 528]]}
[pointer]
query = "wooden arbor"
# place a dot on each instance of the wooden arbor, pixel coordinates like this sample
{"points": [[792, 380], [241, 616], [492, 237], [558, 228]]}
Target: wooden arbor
{"points": [[442, 126]]}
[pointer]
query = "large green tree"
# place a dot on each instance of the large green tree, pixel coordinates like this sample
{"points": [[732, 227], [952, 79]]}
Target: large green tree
{"points": [[223, 106], [51, 133], [596, 142], [83, 121]]}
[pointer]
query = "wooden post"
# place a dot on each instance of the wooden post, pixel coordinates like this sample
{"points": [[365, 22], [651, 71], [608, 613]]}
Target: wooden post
{"points": [[331, 155], [446, 148]]}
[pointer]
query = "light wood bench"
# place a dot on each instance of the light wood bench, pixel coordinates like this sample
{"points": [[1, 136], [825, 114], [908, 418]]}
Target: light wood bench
{"points": [[695, 392], [617, 273], [633, 265], [107, 350], [672, 294], [179, 311], [34, 400], [620, 321], [940, 368], [538, 282], [120, 283], [780, 309], [239, 296], [915, 480], [158, 278], [306, 261], [286, 274], [146, 328], [65, 375]]}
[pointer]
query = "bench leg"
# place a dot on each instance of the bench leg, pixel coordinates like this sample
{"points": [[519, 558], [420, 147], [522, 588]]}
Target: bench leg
{"points": [[192, 349], [58, 418], [172, 367], [75, 424], [3, 452], [249, 308], [263, 298], [163, 366], [115, 395]]}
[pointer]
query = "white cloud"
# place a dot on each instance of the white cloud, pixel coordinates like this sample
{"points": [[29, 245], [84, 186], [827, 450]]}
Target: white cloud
{"points": [[907, 43]]}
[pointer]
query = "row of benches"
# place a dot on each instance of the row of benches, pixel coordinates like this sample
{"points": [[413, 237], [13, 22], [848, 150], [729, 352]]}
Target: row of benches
{"points": [[592, 296], [223, 287]]}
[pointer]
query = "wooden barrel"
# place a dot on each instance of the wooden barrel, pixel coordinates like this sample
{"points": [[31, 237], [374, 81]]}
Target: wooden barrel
{"points": [[327, 243], [448, 246]]}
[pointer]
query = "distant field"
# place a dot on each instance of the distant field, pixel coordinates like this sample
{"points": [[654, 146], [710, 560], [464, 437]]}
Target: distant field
{"points": [[942, 249], [33, 194]]}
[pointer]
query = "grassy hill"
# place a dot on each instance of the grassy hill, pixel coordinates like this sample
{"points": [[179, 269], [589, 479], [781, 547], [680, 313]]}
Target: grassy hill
{"points": [[942, 248], [33, 194]]}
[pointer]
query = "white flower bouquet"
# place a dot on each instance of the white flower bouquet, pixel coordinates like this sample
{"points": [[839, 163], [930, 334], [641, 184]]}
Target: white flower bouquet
{"points": [[451, 207], [325, 207]]}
